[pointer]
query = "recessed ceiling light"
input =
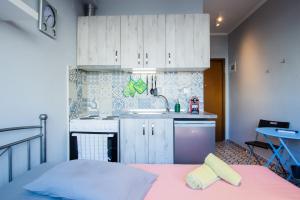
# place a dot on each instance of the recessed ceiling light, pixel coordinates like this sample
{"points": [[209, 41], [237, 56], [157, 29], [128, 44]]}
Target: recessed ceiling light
{"points": [[218, 24], [220, 19]]}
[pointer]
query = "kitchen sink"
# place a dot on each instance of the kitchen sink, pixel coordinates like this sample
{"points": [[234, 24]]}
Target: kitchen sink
{"points": [[147, 111]]}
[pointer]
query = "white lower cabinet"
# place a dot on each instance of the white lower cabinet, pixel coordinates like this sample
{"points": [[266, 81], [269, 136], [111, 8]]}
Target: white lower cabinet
{"points": [[146, 141]]}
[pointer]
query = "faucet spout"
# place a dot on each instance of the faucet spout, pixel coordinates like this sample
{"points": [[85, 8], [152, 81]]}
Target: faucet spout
{"points": [[166, 102]]}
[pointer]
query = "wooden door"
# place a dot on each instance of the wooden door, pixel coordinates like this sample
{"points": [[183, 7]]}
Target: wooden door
{"points": [[154, 40], [134, 141], [113, 40], [132, 41], [161, 141], [214, 93]]}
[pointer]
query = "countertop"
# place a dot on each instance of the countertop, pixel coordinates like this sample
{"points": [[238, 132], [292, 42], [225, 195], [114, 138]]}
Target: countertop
{"points": [[169, 115]]}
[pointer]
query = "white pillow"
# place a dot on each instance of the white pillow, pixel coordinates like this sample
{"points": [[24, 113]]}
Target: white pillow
{"points": [[91, 180]]}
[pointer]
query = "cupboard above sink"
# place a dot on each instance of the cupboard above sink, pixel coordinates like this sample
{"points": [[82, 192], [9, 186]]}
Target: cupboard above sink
{"points": [[164, 42]]}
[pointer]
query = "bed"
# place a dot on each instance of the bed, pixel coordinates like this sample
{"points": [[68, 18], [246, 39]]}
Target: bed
{"points": [[257, 182]]}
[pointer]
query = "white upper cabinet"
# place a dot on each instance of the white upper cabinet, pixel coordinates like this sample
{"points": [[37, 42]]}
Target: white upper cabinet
{"points": [[132, 41], [171, 42], [98, 40], [154, 41], [187, 41], [201, 41], [113, 40], [181, 40], [143, 41], [82, 41]]}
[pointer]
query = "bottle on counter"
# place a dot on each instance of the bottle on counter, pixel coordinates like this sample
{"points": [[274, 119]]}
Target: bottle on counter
{"points": [[177, 106]]}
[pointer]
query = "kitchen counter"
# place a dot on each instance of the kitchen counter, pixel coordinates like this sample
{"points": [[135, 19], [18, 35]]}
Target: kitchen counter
{"points": [[169, 115]]}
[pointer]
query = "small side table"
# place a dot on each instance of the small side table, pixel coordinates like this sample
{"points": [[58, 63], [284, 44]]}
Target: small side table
{"points": [[267, 133]]}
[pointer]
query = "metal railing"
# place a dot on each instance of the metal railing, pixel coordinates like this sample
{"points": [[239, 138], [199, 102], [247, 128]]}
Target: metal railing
{"points": [[9, 147]]}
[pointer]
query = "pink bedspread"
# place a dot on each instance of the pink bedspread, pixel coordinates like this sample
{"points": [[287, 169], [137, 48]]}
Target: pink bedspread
{"points": [[257, 183]]}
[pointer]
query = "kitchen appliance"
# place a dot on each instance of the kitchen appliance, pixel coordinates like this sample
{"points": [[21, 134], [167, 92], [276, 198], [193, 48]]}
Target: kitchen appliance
{"points": [[194, 105], [94, 139], [194, 140]]}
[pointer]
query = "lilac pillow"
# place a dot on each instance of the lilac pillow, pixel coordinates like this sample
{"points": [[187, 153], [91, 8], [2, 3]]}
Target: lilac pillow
{"points": [[91, 180]]}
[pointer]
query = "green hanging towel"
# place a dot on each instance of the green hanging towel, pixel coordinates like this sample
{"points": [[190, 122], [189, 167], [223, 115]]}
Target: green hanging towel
{"points": [[140, 86], [129, 90]]}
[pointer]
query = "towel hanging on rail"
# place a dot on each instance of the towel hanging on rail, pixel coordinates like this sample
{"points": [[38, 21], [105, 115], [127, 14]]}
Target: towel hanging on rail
{"points": [[93, 146]]}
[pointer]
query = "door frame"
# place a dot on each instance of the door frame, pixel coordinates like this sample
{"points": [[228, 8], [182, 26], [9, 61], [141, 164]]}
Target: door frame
{"points": [[225, 96]]}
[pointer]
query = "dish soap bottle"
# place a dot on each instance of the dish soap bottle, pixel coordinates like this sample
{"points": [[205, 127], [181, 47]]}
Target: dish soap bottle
{"points": [[177, 106]]}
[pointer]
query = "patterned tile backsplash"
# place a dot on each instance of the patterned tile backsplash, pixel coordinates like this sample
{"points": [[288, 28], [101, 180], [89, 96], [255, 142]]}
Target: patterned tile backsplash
{"points": [[102, 92]]}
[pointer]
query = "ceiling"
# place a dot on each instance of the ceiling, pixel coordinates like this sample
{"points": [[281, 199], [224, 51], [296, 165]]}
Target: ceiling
{"points": [[234, 13]]}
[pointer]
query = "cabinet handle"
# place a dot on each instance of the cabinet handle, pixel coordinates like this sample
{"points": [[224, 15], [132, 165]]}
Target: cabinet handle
{"points": [[143, 129], [152, 129], [139, 58], [146, 58], [116, 56], [169, 55]]}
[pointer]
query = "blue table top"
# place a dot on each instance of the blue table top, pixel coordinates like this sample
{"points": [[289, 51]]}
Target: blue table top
{"points": [[272, 132]]}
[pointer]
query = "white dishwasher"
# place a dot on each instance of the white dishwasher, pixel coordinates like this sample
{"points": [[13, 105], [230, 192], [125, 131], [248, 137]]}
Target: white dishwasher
{"points": [[193, 141]]}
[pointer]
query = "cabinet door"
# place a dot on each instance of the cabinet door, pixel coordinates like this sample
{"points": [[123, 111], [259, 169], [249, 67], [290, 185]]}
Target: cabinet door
{"points": [[179, 41], [82, 40], [97, 37], [113, 40], [161, 141], [170, 41], [184, 41], [132, 41], [134, 141], [201, 41], [154, 41], [98, 40], [187, 41]]}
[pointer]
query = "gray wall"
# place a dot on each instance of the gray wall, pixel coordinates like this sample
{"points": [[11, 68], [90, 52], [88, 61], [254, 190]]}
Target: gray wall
{"points": [[219, 49], [219, 46], [262, 86], [117, 7], [33, 77]]}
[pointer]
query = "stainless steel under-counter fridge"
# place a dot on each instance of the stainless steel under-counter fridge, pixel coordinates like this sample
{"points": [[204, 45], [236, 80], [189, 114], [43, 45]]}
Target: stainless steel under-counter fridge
{"points": [[193, 141]]}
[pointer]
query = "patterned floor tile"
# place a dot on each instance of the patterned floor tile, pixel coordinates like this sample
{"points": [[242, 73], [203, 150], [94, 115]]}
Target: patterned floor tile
{"points": [[232, 153]]}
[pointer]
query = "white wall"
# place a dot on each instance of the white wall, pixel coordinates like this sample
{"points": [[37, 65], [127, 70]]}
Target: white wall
{"points": [[262, 86], [33, 78], [219, 49]]}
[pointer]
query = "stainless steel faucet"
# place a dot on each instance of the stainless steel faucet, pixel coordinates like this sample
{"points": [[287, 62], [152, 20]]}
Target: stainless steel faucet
{"points": [[166, 102]]}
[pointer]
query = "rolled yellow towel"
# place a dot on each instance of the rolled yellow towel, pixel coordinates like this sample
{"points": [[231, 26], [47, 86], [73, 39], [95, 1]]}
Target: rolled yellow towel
{"points": [[201, 177], [223, 170]]}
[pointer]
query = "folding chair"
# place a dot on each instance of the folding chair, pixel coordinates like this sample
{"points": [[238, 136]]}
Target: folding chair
{"points": [[259, 144]]}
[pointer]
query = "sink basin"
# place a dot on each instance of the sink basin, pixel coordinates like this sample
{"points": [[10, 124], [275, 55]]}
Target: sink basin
{"points": [[147, 111]]}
